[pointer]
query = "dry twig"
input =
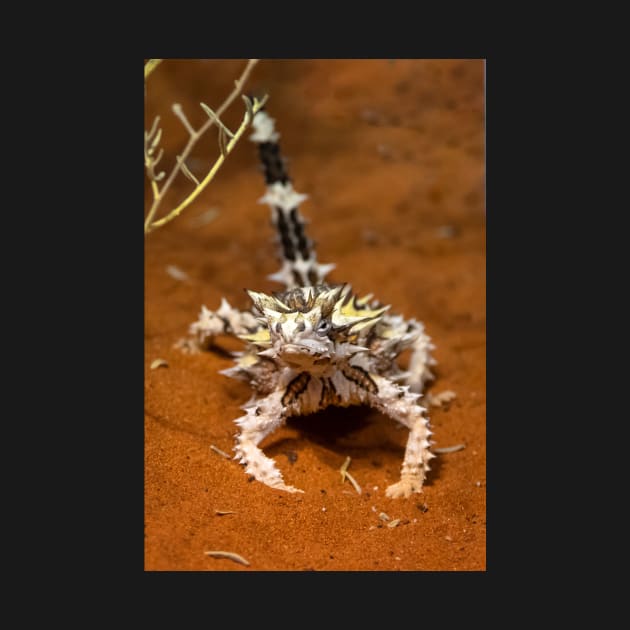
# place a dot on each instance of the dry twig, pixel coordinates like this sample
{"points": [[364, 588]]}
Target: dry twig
{"points": [[449, 449], [227, 555], [344, 473], [227, 142], [218, 451], [150, 66], [177, 273]]}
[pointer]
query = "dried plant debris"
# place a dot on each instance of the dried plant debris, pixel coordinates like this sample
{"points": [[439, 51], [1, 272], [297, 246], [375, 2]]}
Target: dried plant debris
{"points": [[159, 363], [344, 468], [218, 451], [204, 218], [177, 273], [345, 474], [442, 399], [450, 449], [227, 141], [228, 555]]}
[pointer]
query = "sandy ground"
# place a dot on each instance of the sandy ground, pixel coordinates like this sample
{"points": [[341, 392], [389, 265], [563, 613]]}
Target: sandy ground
{"points": [[391, 153]]}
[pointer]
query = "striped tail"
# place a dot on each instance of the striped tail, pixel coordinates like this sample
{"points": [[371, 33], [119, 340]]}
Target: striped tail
{"points": [[299, 261]]}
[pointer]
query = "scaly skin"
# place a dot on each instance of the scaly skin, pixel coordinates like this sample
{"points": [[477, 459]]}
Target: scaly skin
{"points": [[317, 344]]}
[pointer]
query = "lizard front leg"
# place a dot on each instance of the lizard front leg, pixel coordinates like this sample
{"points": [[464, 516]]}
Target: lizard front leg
{"points": [[401, 405], [210, 324], [263, 417]]}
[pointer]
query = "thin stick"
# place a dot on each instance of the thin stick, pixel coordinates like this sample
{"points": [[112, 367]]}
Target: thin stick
{"points": [[219, 451], [179, 112], [344, 473], [216, 119], [354, 483], [158, 158], [156, 121], [187, 171], [156, 140], [154, 189], [228, 555], [148, 224], [449, 449], [344, 468]]}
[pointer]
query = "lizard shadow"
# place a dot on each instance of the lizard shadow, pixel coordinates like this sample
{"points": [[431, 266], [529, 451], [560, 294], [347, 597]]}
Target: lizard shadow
{"points": [[360, 432]]}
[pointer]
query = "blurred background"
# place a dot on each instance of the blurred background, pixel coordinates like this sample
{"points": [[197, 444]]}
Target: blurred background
{"points": [[391, 153]]}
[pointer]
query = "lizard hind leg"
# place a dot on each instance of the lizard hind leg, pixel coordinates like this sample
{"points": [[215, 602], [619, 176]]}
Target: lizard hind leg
{"points": [[401, 405], [421, 360], [226, 320], [262, 418]]}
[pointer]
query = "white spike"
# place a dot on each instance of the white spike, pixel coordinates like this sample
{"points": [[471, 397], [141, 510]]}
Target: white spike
{"points": [[282, 196], [267, 353], [352, 348], [324, 269], [279, 276], [264, 128]]}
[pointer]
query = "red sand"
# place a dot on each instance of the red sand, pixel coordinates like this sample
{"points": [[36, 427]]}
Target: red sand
{"points": [[389, 153]]}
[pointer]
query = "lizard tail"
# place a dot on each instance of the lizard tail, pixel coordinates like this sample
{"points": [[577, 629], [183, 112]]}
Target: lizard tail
{"points": [[299, 261]]}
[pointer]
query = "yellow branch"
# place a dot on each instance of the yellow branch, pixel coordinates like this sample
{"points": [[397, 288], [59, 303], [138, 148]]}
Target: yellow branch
{"points": [[148, 224], [213, 171], [150, 66]]}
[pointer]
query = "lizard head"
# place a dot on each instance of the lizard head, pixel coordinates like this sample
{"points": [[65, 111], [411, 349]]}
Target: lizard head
{"points": [[310, 326]]}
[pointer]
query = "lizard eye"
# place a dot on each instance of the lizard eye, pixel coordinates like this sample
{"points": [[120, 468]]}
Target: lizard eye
{"points": [[323, 327]]}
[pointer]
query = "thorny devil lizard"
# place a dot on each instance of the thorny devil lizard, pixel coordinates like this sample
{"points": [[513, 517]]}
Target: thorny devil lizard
{"points": [[316, 344]]}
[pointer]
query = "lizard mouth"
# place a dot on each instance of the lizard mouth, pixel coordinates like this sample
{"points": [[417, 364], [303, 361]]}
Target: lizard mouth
{"points": [[300, 355], [304, 349]]}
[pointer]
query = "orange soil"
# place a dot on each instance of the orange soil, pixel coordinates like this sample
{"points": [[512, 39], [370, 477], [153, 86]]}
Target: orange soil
{"points": [[390, 152]]}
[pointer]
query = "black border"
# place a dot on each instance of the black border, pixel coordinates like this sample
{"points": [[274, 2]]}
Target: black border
{"points": [[110, 255]]}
